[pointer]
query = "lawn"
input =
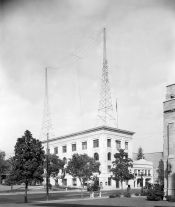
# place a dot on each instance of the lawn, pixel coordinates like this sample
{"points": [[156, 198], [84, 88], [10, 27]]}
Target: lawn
{"points": [[107, 202], [34, 196]]}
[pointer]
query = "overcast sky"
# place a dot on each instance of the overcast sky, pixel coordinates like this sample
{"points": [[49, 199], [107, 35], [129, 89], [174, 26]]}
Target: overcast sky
{"points": [[67, 35]]}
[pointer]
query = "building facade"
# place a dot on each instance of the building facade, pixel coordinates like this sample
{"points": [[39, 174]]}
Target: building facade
{"points": [[154, 158], [101, 143], [143, 173], [169, 140]]}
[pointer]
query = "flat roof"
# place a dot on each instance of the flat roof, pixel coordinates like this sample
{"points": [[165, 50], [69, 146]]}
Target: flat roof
{"points": [[107, 128]]}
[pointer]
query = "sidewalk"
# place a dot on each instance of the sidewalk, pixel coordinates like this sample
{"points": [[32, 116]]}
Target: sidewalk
{"points": [[37, 192]]}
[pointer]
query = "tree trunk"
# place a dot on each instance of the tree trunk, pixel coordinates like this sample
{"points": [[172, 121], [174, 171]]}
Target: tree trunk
{"points": [[121, 184], [81, 188], [25, 196]]}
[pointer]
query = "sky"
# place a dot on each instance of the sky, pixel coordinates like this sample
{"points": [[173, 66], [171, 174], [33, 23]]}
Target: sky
{"points": [[66, 37]]}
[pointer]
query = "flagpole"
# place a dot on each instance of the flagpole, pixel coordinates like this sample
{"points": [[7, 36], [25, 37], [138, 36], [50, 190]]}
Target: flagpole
{"points": [[117, 111]]}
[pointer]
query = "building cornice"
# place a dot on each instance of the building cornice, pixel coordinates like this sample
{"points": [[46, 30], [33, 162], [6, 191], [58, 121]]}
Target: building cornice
{"points": [[100, 128], [170, 85], [169, 100]]}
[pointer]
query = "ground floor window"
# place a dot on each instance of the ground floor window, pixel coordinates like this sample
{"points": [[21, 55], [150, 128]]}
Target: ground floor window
{"points": [[117, 184], [109, 181], [65, 182], [74, 181]]}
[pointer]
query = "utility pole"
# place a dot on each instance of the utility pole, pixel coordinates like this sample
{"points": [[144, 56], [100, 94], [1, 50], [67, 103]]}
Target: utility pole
{"points": [[47, 169], [46, 129], [47, 122]]}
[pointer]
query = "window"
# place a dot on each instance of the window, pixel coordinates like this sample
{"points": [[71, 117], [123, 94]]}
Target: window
{"points": [[149, 174], [74, 181], [109, 181], [64, 149], [118, 144], [117, 184], [108, 142], [109, 156], [74, 147], [126, 145], [95, 143], [96, 156], [56, 150], [84, 145], [109, 168], [65, 182]]}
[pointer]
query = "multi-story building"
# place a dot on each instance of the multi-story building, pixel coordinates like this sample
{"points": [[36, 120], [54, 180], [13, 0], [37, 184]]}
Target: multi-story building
{"points": [[169, 140], [101, 143]]}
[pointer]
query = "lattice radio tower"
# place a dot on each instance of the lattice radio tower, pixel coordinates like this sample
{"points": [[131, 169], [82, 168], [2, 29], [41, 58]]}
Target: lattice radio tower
{"points": [[105, 111], [47, 128]]}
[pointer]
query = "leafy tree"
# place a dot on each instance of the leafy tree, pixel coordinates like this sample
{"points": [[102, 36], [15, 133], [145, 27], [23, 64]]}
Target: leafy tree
{"points": [[11, 177], [28, 161], [55, 167], [121, 167], [160, 172], [140, 154], [83, 167], [4, 166]]}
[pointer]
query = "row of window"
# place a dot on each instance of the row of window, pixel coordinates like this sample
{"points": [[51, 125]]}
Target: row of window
{"points": [[74, 182], [95, 145], [142, 172], [118, 144]]}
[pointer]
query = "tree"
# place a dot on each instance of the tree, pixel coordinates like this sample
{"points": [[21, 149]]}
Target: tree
{"points": [[140, 154], [82, 167], [3, 164], [28, 161], [55, 167], [160, 172], [121, 165], [11, 177]]}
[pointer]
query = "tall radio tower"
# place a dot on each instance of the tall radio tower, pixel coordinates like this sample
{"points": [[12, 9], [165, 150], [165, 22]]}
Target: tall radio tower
{"points": [[105, 111], [47, 128]]}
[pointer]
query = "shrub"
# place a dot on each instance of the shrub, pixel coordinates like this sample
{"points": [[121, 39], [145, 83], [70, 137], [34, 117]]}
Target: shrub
{"points": [[155, 193], [118, 194], [170, 198], [112, 196], [136, 194], [144, 192], [127, 194]]}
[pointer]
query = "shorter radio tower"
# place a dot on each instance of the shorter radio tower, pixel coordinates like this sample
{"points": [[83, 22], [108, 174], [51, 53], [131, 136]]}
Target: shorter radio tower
{"points": [[47, 128], [105, 111]]}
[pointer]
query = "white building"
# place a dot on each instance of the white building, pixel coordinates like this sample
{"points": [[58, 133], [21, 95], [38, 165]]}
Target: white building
{"points": [[143, 173], [100, 142]]}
